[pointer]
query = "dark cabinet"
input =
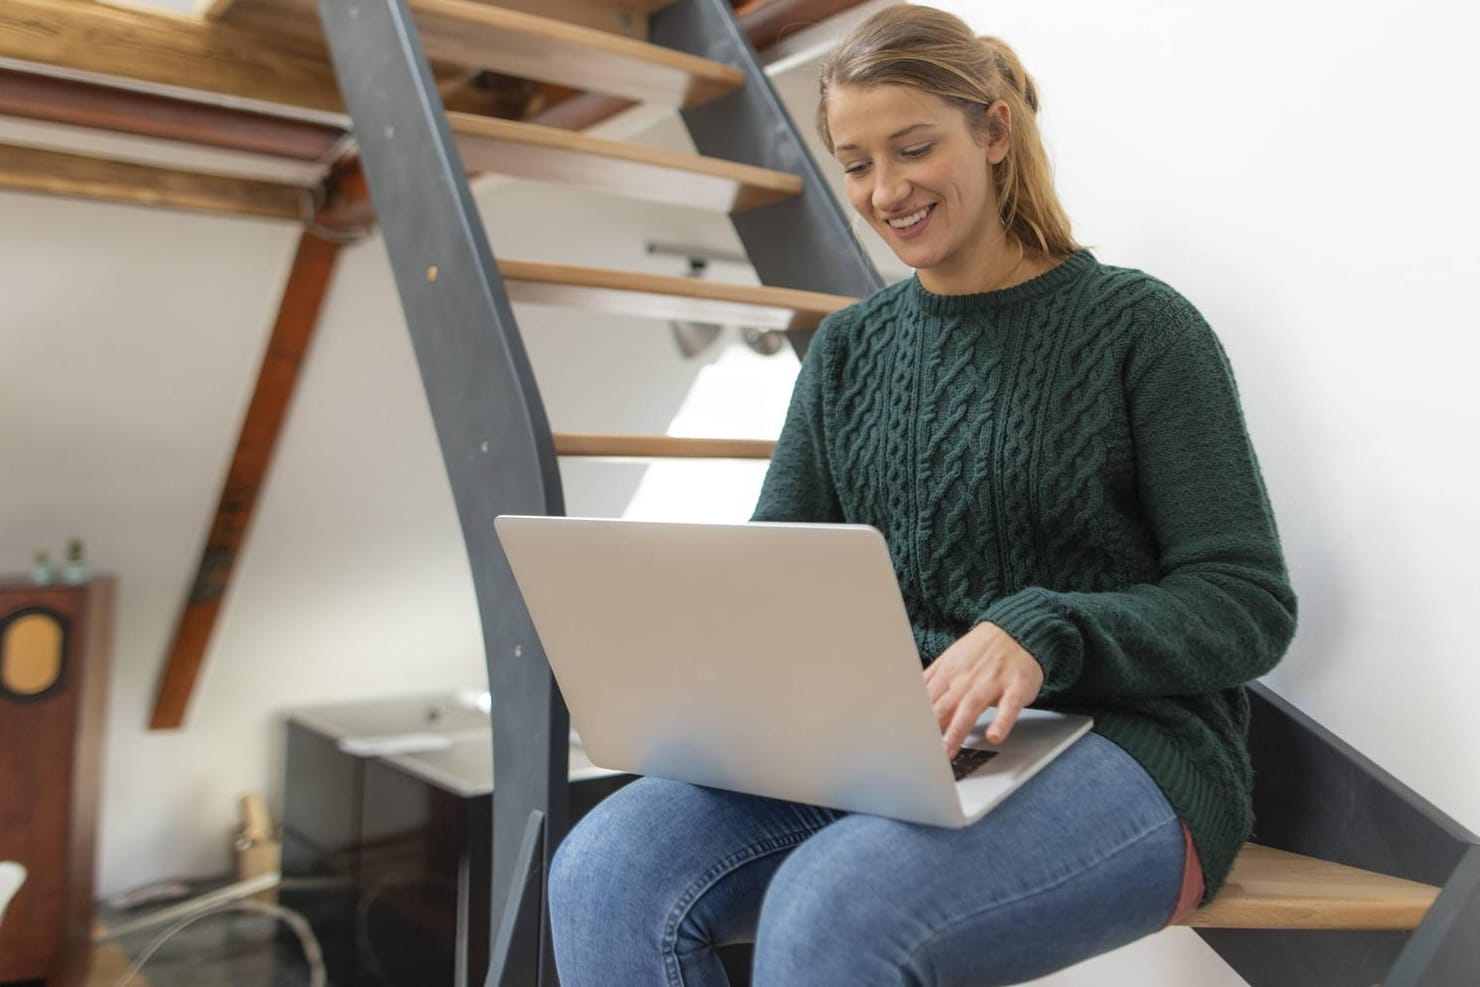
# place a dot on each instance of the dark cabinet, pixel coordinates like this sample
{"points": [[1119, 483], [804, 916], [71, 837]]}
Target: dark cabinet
{"points": [[389, 854], [54, 655]]}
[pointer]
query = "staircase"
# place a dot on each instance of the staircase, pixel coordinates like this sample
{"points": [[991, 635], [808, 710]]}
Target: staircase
{"points": [[1346, 873]]}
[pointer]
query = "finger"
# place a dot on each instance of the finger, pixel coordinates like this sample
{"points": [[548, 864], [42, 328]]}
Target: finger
{"points": [[945, 708], [932, 672], [968, 711], [1008, 709], [938, 672], [952, 693]]}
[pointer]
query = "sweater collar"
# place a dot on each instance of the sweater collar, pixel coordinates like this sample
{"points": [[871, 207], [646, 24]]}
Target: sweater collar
{"points": [[1073, 267]]}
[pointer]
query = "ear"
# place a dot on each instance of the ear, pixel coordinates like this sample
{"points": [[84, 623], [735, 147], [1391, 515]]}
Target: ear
{"points": [[999, 132]]}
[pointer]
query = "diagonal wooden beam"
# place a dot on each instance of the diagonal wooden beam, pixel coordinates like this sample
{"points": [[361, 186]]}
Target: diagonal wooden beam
{"points": [[34, 96], [303, 297], [25, 169], [165, 49]]}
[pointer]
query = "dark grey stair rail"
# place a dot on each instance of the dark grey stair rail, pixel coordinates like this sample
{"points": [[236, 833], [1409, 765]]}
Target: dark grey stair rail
{"points": [[491, 425], [490, 422], [1316, 795]]}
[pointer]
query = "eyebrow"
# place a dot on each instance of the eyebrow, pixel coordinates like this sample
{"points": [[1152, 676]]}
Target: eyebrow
{"points": [[894, 136]]}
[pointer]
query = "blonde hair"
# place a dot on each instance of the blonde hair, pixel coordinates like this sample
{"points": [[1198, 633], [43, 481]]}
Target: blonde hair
{"points": [[937, 53]]}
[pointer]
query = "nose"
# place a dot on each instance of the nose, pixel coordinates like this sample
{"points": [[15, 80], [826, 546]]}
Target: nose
{"points": [[891, 188]]}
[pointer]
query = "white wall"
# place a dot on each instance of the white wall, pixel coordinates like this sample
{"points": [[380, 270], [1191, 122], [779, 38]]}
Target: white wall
{"points": [[132, 339], [1305, 173]]}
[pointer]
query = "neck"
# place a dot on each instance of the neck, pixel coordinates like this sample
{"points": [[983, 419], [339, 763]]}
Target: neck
{"points": [[1007, 263]]}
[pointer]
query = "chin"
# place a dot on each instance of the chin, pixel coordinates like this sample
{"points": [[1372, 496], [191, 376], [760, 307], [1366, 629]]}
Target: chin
{"points": [[917, 260]]}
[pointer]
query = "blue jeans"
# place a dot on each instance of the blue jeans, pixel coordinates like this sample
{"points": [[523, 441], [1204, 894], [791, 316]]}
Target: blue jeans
{"points": [[1086, 857]]}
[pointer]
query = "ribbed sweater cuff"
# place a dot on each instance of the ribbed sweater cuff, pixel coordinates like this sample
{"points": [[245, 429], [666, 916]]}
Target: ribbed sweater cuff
{"points": [[1029, 617]]}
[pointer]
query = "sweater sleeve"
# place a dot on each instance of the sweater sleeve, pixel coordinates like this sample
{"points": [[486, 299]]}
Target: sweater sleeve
{"points": [[799, 482], [1222, 611]]}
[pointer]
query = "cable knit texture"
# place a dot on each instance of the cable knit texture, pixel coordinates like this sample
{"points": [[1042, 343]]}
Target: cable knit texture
{"points": [[1066, 459]]}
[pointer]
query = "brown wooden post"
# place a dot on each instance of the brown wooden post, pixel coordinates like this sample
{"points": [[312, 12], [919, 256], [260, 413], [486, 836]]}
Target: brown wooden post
{"points": [[308, 283]]}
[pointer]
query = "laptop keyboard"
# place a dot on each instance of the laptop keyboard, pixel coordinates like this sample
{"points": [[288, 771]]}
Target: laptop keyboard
{"points": [[968, 760]]}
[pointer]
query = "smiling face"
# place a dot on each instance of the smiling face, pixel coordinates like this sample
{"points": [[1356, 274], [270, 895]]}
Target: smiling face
{"points": [[922, 179]]}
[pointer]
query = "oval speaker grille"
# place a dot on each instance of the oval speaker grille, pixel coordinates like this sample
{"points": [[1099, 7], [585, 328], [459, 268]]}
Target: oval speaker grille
{"points": [[30, 654]]}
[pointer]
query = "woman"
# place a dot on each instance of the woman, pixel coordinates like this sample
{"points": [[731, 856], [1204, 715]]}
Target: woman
{"points": [[1055, 452]]}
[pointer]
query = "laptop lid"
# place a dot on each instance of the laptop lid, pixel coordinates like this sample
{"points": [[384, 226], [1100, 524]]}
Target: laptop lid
{"points": [[775, 659]]}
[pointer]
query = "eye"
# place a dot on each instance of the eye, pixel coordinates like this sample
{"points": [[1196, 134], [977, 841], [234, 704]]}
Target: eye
{"points": [[917, 151], [855, 169]]}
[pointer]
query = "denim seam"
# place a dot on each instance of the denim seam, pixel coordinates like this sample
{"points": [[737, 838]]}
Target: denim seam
{"points": [[706, 881], [915, 949]]}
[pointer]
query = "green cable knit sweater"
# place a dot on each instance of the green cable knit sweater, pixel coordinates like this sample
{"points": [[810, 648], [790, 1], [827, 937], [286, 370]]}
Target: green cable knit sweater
{"points": [[1067, 459]]}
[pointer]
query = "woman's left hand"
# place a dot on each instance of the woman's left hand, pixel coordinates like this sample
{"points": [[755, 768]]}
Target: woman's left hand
{"points": [[985, 668]]}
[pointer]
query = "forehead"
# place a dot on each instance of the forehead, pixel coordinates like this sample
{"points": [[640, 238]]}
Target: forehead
{"points": [[859, 116]]}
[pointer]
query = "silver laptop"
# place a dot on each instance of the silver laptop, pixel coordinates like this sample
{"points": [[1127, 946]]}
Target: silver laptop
{"points": [[774, 659]]}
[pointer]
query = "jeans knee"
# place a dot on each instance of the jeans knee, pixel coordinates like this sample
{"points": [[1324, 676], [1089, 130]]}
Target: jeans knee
{"points": [[607, 875], [813, 919], [570, 874]]}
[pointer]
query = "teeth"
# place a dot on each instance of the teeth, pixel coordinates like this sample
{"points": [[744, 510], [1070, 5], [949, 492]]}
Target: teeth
{"points": [[909, 220]]}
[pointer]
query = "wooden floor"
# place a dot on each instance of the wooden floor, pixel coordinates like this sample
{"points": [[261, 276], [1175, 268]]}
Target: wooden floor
{"points": [[107, 965]]}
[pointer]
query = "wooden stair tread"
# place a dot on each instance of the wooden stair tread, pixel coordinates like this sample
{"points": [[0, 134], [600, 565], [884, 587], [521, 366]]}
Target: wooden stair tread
{"points": [[527, 150], [266, 11], [659, 447], [479, 35], [545, 50], [659, 296], [1274, 889]]}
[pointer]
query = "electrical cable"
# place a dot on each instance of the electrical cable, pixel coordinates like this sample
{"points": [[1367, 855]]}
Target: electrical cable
{"points": [[317, 976], [201, 903]]}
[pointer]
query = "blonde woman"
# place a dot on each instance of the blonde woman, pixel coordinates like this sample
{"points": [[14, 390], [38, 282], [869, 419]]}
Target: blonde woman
{"points": [[1055, 451]]}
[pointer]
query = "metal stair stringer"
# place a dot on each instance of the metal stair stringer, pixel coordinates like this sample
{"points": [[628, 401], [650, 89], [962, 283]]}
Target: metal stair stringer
{"points": [[491, 426]]}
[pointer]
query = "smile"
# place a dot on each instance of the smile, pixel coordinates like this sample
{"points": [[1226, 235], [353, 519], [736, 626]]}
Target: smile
{"points": [[911, 225]]}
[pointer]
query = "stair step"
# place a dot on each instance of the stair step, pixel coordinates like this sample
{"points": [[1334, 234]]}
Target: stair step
{"points": [[1273, 889], [659, 447], [527, 150], [480, 35], [658, 296], [546, 50]]}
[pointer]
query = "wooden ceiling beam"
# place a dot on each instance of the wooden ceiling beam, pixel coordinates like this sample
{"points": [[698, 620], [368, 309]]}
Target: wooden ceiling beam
{"points": [[34, 96], [766, 22], [25, 169], [168, 50]]}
